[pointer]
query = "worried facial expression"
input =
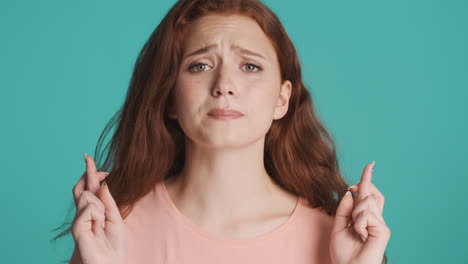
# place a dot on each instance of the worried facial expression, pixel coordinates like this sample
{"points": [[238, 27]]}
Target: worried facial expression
{"points": [[228, 64]]}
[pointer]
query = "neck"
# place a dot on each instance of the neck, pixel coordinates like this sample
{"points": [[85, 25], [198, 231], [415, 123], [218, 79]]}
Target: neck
{"points": [[225, 183]]}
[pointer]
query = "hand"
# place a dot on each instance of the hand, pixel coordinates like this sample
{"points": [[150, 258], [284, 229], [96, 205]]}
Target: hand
{"points": [[98, 228], [360, 234]]}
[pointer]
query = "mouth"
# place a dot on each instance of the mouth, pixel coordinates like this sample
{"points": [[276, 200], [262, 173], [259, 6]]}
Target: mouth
{"points": [[224, 117], [224, 114]]}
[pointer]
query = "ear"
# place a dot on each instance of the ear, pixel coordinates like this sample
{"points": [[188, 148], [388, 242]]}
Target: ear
{"points": [[283, 100]]}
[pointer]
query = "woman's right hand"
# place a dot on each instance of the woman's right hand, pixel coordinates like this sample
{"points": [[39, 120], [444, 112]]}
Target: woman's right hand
{"points": [[98, 228]]}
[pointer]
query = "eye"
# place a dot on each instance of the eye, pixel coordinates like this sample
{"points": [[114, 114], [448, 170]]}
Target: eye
{"points": [[252, 67], [197, 66]]}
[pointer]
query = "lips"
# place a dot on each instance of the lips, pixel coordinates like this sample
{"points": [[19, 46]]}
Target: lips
{"points": [[224, 112]]}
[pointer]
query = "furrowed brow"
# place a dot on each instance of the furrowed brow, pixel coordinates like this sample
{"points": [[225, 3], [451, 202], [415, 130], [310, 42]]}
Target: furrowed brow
{"points": [[245, 51], [237, 48], [200, 51]]}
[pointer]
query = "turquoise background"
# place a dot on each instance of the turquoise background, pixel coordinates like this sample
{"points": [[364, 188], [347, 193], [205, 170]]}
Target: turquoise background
{"points": [[389, 79]]}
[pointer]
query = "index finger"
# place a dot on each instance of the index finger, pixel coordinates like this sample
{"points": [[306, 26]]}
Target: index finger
{"points": [[366, 182]]}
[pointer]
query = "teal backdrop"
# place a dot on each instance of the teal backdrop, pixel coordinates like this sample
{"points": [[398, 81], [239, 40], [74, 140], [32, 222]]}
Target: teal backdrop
{"points": [[389, 80]]}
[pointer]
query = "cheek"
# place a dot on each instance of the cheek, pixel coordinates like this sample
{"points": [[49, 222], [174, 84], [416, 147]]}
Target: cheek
{"points": [[262, 102], [187, 95], [263, 99]]}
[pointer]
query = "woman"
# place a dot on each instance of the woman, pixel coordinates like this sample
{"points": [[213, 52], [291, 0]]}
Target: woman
{"points": [[219, 157]]}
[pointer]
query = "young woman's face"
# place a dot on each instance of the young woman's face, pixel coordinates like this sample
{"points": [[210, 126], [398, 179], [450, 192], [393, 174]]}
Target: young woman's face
{"points": [[239, 71]]}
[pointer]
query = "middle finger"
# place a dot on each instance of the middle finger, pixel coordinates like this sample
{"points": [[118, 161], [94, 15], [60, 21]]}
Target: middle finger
{"points": [[92, 180], [80, 185]]}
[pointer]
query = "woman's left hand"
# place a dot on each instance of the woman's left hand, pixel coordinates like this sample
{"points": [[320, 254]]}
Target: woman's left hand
{"points": [[360, 234]]}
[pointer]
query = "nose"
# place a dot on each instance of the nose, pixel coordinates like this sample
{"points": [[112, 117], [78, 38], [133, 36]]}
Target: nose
{"points": [[223, 84]]}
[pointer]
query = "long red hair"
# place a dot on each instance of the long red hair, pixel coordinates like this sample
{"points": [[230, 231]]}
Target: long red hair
{"points": [[147, 147]]}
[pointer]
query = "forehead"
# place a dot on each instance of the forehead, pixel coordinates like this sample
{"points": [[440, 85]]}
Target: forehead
{"points": [[228, 30]]}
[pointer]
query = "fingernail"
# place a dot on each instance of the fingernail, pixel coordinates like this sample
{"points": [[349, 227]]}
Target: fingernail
{"points": [[105, 173], [362, 238], [352, 187], [373, 163], [103, 183], [347, 193], [85, 155]]}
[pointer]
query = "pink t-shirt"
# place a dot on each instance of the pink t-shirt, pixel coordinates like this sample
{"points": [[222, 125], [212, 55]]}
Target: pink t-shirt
{"points": [[158, 233]]}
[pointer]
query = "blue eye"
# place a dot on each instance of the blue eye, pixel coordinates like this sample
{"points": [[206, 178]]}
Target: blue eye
{"points": [[196, 65], [201, 67], [254, 66]]}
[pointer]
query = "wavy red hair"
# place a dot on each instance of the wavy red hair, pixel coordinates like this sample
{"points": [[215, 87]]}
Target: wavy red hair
{"points": [[147, 146]]}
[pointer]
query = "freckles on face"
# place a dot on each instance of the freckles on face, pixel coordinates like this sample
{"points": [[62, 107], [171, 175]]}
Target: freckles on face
{"points": [[238, 70]]}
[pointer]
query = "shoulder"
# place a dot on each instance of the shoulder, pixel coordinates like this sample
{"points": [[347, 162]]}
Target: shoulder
{"points": [[316, 221], [314, 229]]}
